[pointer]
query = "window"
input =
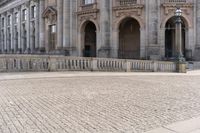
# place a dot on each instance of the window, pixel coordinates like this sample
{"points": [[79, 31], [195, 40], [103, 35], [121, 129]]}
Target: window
{"points": [[86, 2], [9, 20], [16, 37], [52, 37], [2, 38], [3, 22], [33, 12], [24, 15], [16, 18], [33, 34], [24, 36], [9, 38]]}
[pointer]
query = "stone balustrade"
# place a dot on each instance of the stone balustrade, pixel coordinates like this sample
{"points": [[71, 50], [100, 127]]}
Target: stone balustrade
{"points": [[25, 63], [178, 1]]}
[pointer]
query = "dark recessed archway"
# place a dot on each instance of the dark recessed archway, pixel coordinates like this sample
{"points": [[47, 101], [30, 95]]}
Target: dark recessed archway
{"points": [[170, 41], [89, 40], [129, 39]]}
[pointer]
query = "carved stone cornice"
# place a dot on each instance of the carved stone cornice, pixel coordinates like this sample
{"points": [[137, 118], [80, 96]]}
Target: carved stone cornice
{"points": [[135, 6], [88, 9], [128, 10], [88, 12], [169, 7]]}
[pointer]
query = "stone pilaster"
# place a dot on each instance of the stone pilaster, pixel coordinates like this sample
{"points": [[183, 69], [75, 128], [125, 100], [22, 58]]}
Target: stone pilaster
{"points": [[19, 49], [197, 48], [12, 33], [28, 29], [60, 24], [152, 24], [66, 25], [104, 51], [41, 27], [37, 28]]}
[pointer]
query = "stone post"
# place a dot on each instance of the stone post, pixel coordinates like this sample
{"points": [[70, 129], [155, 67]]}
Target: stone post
{"points": [[41, 26], [60, 24], [66, 25], [104, 50]]}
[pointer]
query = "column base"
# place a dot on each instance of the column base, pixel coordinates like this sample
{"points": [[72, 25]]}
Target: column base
{"points": [[181, 67]]}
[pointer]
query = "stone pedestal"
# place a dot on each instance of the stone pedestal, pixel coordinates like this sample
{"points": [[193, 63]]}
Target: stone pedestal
{"points": [[181, 67]]}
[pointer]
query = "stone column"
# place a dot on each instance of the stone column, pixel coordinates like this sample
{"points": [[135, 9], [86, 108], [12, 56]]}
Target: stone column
{"points": [[28, 30], [41, 27], [60, 24], [5, 33], [12, 33], [152, 24], [37, 28], [66, 25], [104, 51], [19, 49]]}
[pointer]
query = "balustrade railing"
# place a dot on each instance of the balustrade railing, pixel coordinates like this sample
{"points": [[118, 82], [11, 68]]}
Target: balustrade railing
{"points": [[178, 1], [17, 63]]}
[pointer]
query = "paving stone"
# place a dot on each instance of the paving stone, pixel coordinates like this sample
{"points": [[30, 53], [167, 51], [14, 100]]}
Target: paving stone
{"points": [[96, 102]]}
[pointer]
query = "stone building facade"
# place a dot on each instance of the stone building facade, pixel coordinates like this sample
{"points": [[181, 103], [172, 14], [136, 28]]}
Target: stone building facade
{"points": [[133, 29]]}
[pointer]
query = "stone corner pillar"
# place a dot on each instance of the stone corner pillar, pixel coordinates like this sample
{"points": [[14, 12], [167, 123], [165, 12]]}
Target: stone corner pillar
{"points": [[59, 24], [105, 49], [66, 25], [41, 26]]}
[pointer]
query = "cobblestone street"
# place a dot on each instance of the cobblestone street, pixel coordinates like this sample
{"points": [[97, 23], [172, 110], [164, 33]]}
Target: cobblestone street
{"points": [[96, 102]]}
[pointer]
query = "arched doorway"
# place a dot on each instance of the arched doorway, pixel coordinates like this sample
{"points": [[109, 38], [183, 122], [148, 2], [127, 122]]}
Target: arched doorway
{"points": [[170, 40], [129, 39], [89, 40]]}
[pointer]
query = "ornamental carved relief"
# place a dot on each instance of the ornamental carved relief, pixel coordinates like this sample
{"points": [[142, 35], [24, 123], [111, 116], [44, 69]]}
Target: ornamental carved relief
{"points": [[92, 16], [168, 10], [50, 14]]}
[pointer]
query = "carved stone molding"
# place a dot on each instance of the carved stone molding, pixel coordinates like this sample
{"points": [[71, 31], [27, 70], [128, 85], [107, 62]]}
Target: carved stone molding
{"points": [[92, 16], [128, 10], [50, 14], [169, 7]]}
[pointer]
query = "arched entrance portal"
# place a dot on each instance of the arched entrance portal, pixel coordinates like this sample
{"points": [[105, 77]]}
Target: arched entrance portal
{"points": [[129, 39], [170, 40], [90, 40]]}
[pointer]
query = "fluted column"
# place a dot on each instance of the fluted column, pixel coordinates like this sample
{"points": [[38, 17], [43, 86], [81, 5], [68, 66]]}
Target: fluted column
{"points": [[19, 49], [41, 27], [12, 33], [60, 24], [105, 28], [28, 30], [66, 24], [37, 28]]}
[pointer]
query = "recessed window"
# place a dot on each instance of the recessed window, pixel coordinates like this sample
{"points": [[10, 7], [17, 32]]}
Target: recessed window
{"points": [[24, 15], [33, 12], [3, 22], [9, 20], [16, 18], [86, 2], [52, 37]]}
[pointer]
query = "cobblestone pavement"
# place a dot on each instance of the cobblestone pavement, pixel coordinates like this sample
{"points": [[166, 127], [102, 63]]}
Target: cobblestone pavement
{"points": [[96, 102]]}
